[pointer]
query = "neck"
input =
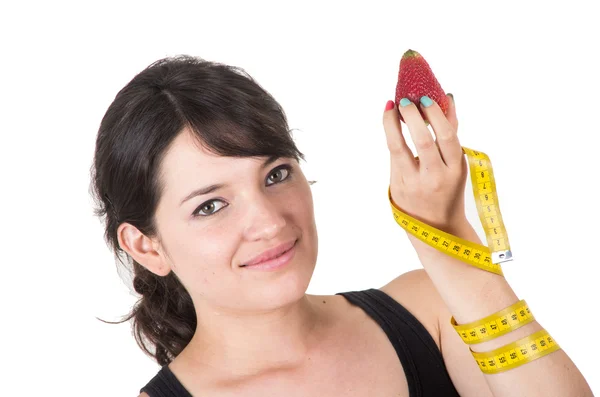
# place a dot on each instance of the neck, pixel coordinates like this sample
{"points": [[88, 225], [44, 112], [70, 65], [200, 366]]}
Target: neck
{"points": [[248, 343]]}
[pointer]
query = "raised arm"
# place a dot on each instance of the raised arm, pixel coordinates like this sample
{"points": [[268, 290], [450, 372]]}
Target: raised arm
{"points": [[430, 189]]}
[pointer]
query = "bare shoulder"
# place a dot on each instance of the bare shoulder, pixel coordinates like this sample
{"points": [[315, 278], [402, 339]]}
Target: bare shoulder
{"points": [[415, 291], [144, 395]]}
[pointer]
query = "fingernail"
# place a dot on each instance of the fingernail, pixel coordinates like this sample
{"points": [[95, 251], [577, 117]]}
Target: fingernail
{"points": [[451, 96], [426, 101], [404, 102], [389, 105]]}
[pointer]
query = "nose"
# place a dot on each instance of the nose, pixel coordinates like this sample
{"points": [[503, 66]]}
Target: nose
{"points": [[265, 220]]}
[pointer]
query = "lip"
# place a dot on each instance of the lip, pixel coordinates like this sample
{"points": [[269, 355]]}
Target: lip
{"points": [[269, 257]]}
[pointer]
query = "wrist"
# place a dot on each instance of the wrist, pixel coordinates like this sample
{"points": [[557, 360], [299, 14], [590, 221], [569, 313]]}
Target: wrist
{"points": [[465, 231]]}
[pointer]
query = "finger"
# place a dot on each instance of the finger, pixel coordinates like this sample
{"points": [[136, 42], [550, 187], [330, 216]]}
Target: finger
{"points": [[446, 134], [427, 150], [399, 151], [451, 113]]}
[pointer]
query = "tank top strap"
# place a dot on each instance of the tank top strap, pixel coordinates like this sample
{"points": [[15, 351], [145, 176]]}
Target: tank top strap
{"points": [[418, 353]]}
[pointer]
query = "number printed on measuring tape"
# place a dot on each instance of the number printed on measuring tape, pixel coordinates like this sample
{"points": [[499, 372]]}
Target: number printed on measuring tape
{"points": [[495, 325], [486, 199]]}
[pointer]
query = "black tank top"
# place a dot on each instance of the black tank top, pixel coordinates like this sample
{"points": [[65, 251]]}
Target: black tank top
{"points": [[420, 357]]}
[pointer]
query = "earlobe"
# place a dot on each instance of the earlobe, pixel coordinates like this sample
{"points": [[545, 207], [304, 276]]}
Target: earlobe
{"points": [[142, 249]]}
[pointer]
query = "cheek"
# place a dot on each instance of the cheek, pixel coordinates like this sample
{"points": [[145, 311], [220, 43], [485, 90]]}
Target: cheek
{"points": [[200, 257], [301, 203], [299, 209]]}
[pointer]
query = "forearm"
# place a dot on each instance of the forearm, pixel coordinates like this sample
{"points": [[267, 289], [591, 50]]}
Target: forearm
{"points": [[472, 294]]}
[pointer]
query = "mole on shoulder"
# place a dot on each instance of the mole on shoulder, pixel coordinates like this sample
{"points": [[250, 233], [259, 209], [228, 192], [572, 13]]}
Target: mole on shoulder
{"points": [[324, 302]]}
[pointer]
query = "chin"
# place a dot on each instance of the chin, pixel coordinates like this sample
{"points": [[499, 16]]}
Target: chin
{"points": [[284, 288]]}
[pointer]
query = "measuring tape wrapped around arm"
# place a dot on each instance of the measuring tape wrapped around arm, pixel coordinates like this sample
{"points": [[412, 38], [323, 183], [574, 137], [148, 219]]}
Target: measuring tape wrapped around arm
{"points": [[489, 259]]}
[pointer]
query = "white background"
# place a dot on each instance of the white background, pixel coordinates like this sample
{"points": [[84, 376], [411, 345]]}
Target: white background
{"points": [[525, 80]]}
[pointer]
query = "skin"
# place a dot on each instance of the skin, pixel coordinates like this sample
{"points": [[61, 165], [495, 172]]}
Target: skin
{"points": [[259, 333], [205, 251]]}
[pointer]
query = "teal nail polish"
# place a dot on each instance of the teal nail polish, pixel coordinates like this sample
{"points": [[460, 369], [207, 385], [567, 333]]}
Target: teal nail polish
{"points": [[404, 102], [426, 101]]}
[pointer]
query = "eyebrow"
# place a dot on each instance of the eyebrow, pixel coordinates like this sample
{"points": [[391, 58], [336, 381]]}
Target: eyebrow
{"points": [[212, 188]]}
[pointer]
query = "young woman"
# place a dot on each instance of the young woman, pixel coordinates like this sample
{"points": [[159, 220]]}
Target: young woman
{"points": [[199, 182]]}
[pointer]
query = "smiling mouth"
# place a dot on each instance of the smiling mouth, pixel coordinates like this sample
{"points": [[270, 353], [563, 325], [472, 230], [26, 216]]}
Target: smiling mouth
{"points": [[275, 257], [270, 259]]}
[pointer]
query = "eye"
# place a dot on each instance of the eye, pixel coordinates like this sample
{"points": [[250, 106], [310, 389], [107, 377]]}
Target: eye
{"points": [[208, 208], [280, 174]]}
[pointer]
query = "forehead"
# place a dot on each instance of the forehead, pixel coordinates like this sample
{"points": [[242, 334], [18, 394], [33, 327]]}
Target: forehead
{"points": [[188, 164]]}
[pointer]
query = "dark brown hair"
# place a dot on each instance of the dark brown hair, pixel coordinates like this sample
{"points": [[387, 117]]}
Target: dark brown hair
{"points": [[229, 113]]}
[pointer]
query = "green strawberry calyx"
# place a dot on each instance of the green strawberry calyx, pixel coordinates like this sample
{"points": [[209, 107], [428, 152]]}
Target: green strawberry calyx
{"points": [[410, 54]]}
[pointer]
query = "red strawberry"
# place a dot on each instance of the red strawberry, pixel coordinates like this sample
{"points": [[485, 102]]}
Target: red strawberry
{"points": [[415, 79]]}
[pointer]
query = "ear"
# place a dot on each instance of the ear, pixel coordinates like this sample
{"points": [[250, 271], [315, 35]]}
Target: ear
{"points": [[144, 250]]}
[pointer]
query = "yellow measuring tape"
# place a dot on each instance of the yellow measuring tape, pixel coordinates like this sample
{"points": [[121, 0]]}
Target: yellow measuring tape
{"points": [[489, 259], [524, 350], [486, 199], [496, 325]]}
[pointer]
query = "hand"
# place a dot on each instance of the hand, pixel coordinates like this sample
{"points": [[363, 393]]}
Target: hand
{"points": [[430, 187]]}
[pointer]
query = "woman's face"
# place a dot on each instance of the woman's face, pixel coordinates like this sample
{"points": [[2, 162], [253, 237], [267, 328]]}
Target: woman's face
{"points": [[207, 237]]}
